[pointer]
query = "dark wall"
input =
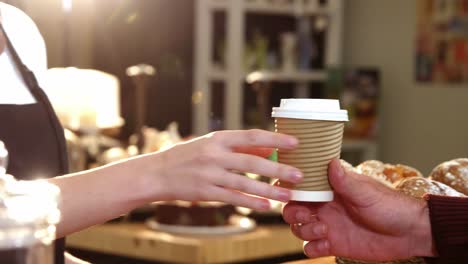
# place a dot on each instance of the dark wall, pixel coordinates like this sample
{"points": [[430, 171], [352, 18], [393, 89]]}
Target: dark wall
{"points": [[156, 32]]}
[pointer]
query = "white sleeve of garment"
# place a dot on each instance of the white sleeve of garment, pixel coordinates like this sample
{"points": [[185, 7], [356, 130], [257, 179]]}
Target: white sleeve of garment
{"points": [[26, 38]]}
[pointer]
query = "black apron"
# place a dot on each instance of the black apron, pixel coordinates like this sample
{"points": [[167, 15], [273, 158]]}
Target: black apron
{"points": [[33, 136]]}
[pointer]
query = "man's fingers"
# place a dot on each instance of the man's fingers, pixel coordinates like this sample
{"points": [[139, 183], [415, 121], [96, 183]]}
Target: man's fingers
{"points": [[300, 213], [317, 248], [311, 231]]}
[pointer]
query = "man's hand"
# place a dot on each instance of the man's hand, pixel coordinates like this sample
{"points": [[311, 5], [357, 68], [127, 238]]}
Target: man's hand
{"points": [[366, 221]]}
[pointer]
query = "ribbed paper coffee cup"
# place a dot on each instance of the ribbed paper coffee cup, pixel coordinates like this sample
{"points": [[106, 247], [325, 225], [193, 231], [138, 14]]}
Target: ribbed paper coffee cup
{"points": [[318, 124]]}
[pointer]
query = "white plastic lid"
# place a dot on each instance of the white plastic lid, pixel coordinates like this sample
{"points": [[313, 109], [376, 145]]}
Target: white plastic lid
{"points": [[311, 109], [312, 196]]}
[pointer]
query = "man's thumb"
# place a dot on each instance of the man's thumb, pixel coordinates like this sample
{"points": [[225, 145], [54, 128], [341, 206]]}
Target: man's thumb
{"points": [[349, 185], [336, 176]]}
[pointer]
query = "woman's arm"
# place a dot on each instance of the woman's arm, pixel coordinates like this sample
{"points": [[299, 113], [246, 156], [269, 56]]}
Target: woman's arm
{"points": [[94, 196], [199, 170]]}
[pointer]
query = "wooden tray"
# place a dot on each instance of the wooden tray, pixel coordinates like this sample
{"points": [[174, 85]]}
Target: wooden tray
{"points": [[137, 241]]}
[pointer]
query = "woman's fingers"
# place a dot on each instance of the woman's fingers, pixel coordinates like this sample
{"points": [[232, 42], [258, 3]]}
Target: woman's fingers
{"points": [[255, 138], [261, 166], [244, 184], [257, 151], [317, 248], [239, 199]]}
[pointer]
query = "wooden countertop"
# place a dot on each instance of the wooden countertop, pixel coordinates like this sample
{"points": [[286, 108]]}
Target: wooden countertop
{"points": [[137, 241]]}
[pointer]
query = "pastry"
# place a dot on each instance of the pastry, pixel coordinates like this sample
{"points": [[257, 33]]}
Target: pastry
{"points": [[418, 186], [453, 173], [386, 173], [347, 166], [375, 170], [399, 172]]}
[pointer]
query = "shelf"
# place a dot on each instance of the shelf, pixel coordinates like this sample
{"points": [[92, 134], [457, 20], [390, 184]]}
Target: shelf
{"points": [[272, 9], [218, 74], [283, 76], [233, 75]]}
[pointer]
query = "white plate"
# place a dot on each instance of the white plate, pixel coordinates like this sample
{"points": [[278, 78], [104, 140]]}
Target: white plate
{"points": [[238, 224]]}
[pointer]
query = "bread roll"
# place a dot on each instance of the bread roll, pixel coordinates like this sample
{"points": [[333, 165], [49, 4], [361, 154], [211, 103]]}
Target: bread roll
{"points": [[374, 169], [398, 172], [453, 173], [418, 186], [347, 166], [386, 173]]}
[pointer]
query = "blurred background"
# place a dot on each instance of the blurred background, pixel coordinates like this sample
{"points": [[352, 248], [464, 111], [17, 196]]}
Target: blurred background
{"points": [[399, 67], [421, 122]]}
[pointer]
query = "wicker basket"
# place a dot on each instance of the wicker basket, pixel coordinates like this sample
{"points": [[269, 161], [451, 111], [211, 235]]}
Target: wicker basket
{"points": [[415, 260]]}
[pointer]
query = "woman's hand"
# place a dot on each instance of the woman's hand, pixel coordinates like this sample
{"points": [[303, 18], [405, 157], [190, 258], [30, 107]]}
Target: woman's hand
{"points": [[204, 169], [366, 221]]}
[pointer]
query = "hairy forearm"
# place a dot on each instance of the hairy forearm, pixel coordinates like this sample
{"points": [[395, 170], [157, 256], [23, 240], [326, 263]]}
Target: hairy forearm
{"points": [[95, 196]]}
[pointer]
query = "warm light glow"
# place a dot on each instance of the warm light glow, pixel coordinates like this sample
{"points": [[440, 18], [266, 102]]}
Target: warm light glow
{"points": [[33, 200], [243, 210], [67, 5], [254, 77], [197, 97], [245, 223], [84, 98], [131, 18], [3, 158], [141, 69], [252, 176]]}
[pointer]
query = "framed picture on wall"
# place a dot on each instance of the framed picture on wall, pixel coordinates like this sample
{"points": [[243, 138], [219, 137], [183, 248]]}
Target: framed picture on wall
{"points": [[442, 41], [360, 96]]}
